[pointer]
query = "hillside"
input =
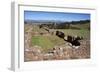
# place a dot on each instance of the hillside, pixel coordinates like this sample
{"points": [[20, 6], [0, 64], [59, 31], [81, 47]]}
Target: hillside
{"points": [[39, 42]]}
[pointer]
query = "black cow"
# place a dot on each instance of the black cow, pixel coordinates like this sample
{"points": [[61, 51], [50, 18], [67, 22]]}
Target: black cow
{"points": [[69, 39], [75, 43], [60, 34], [78, 38], [74, 40]]}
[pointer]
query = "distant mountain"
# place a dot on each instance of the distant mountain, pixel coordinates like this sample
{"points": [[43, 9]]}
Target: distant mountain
{"points": [[55, 21], [43, 21]]}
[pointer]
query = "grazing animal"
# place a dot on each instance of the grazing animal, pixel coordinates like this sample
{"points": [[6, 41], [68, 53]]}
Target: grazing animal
{"points": [[69, 39], [74, 41], [60, 34], [78, 38]]}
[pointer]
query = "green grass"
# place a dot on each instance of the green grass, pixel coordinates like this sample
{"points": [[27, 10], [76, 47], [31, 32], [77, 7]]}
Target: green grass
{"points": [[82, 26], [82, 32], [46, 42]]}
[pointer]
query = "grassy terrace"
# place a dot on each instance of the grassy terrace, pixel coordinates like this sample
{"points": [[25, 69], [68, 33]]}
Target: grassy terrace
{"points": [[46, 42], [82, 32]]}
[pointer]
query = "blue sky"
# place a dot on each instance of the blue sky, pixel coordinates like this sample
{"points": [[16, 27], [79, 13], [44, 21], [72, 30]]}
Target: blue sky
{"points": [[61, 16]]}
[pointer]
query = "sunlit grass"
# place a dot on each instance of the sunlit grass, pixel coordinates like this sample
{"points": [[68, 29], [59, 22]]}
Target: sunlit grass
{"points": [[46, 42]]}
